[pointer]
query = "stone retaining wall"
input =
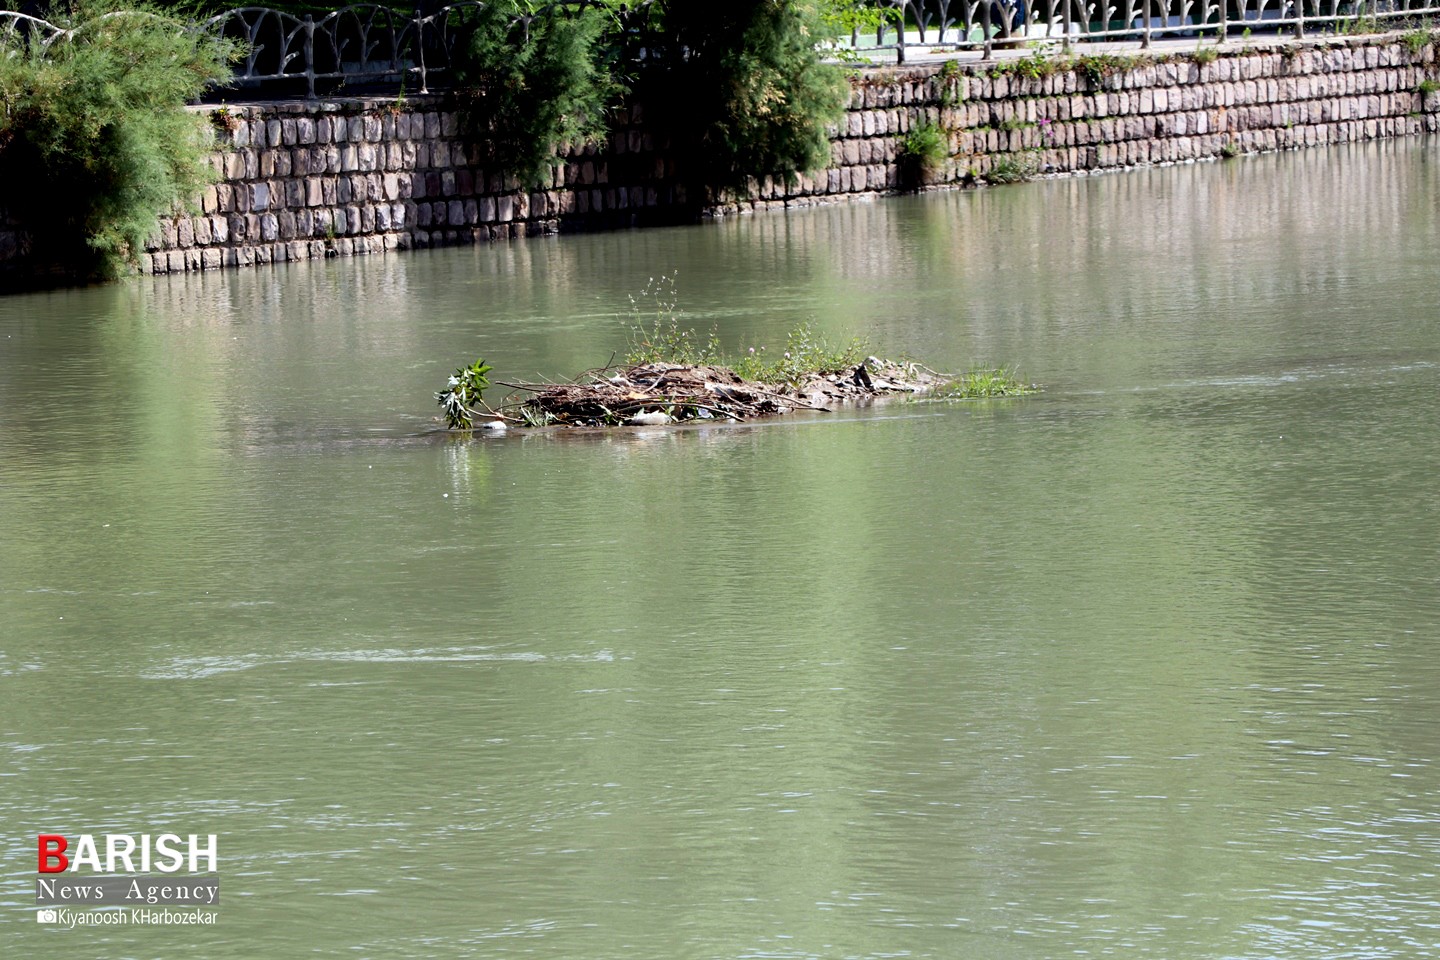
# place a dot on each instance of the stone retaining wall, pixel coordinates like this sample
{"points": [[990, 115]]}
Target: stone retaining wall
{"points": [[337, 178]]}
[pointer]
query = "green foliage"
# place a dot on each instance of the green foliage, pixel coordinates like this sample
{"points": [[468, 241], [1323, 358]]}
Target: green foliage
{"points": [[847, 16], [1417, 40], [1204, 54], [528, 87], [926, 143], [1230, 149], [1013, 168], [1358, 26], [658, 336], [1095, 67], [95, 141], [983, 383], [841, 19], [949, 80], [923, 150], [1427, 87], [462, 395], [741, 88], [806, 352], [1033, 67], [655, 332]]}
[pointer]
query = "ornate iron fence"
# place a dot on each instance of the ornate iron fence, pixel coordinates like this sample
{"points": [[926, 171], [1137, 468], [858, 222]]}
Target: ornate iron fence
{"points": [[365, 43], [984, 24], [370, 44], [359, 44]]}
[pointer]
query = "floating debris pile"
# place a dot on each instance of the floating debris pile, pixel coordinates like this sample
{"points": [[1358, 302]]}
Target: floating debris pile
{"points": [[663, 393]]}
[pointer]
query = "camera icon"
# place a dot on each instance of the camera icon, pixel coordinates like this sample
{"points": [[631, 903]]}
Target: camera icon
{"points": [[47, 916]]}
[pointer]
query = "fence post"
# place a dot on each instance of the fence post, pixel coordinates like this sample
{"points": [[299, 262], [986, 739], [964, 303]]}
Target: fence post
{"points": [[420, 50], [1065, 26], [900, 36], [310, 56]]}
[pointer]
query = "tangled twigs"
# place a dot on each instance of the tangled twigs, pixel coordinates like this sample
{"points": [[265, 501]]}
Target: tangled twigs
{"points": [[660, 393], [656, 393]]}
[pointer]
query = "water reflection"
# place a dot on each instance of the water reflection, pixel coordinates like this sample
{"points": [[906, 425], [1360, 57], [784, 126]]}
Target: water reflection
{"points": [[1137, 666]]}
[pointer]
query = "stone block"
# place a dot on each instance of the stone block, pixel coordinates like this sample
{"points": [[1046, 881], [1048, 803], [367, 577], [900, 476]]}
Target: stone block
{"points": [[258, 197]]}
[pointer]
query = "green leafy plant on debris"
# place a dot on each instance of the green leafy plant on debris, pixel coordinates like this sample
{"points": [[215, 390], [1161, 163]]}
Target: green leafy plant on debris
{"points": [[461, 397]]}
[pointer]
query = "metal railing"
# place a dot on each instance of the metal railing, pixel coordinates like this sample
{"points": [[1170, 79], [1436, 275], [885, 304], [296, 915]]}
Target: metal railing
{"points": [[365, 43], [361, 44], [982, 25], [372, 45]]}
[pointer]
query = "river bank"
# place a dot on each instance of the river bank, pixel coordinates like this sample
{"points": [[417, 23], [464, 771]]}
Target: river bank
{"points": [[315, 179]]}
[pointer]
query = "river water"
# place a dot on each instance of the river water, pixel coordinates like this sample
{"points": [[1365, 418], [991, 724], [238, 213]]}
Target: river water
{"points": [[1141, 666]]}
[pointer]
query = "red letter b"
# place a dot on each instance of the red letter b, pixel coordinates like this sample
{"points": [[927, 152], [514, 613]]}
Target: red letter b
{"points": [[55, 852]]}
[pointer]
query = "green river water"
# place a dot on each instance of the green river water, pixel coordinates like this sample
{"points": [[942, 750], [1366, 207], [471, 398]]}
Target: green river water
{"points": [[1138, 667]]}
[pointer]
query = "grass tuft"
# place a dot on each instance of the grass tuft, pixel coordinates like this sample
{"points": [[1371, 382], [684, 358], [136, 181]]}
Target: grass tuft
{"points": [[984, 383]]}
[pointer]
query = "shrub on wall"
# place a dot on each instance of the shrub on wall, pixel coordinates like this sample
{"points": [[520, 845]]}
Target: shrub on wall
{"points": [[95, 141], [738, 87], [741, 89], [531, 84]]}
